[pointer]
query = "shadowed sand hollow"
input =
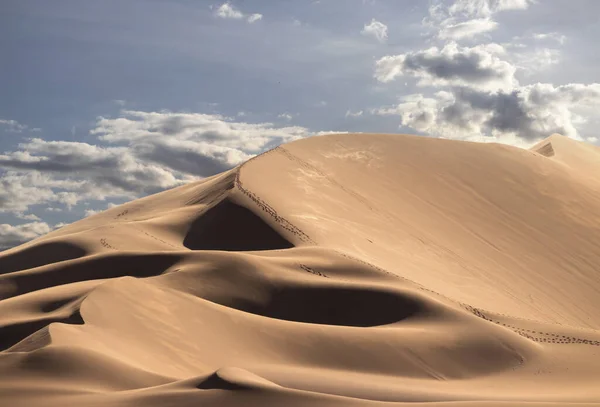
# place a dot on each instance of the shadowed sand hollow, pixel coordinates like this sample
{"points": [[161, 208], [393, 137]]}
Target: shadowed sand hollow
{"points": [[245, 231], [343, 270]]}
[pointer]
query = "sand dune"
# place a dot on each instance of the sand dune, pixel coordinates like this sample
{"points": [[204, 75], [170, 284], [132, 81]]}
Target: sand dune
{"points": [[344, 270]]}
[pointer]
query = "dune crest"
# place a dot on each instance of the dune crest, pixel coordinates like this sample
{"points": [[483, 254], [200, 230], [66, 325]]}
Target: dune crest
{"points": [[359, 269]]}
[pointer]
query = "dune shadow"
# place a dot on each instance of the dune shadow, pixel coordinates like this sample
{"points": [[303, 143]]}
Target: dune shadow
{"points": [[91, 268], [39, 255], [23, 334], [231, 227], [215, 382], [343, 306]]}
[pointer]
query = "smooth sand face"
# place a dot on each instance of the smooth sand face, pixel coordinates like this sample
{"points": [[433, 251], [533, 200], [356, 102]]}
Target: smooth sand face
{"points": [[345, 270]]}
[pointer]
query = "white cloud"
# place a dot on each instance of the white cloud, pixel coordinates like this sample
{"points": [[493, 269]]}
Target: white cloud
{"points": [[52, 209], [466, 29], [375, 29], [464, 19], [254, 17], [531, 62], [20, 190], [478, 67], [524, 114], [553, 36], [28, 216], [350, 113], [285, 116], [90, 212], [11, 236], [419, 112], [486, 8], [12, 125], [228, 11]]}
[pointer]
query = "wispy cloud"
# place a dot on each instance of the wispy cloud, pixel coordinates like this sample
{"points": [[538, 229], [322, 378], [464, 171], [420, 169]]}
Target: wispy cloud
{"points": [[228, 11], [552, 36], [350, 113], [466, 29], [254, 17], [376, 29], [13, 126]]}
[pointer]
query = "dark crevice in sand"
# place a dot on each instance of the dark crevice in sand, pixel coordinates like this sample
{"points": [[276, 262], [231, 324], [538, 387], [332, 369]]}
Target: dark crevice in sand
{"points": [[342, 306], [546, 150], [21, 336], [42, 254], [231, 227], [90, 268], [215, 382]]}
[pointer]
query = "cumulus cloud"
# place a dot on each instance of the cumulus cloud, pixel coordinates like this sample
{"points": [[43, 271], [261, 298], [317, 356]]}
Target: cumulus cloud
{"points": [[478, 67], [375, 29], [228, 11], [526, 114], [466, 29], [136, 154], [20, 190], [67, 172], [11, 236]]}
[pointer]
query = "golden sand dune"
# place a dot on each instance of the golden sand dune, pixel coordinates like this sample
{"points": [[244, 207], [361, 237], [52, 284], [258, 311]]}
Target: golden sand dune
{"points": [[346, 270]]}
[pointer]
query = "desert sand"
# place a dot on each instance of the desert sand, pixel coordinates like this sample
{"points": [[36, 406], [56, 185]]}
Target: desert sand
{"points": [[342, 270]]}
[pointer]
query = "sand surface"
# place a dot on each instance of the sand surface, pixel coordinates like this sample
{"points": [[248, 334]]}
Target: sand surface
{"points": [[344, 270]]}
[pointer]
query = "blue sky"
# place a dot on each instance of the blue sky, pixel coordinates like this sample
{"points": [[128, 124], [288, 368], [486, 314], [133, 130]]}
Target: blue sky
{"points": [[107, 101]]}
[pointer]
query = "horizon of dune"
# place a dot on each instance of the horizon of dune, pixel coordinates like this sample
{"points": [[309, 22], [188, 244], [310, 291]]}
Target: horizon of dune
{"points": [[338, 270]]}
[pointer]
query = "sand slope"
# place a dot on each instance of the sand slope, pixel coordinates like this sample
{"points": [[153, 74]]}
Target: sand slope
{"points": [[345, 270]]}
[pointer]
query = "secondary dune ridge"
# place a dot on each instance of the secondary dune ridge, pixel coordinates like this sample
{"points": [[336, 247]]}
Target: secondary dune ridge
{"points": [[340, 270]]}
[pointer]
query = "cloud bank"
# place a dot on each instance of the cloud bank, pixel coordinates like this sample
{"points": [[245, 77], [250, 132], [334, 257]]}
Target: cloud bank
{"points": [[479, 67], [136, 154], [526, 113]]}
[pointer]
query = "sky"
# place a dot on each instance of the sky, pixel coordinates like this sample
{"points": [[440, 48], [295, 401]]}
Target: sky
{"points": [[108, 101]]}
